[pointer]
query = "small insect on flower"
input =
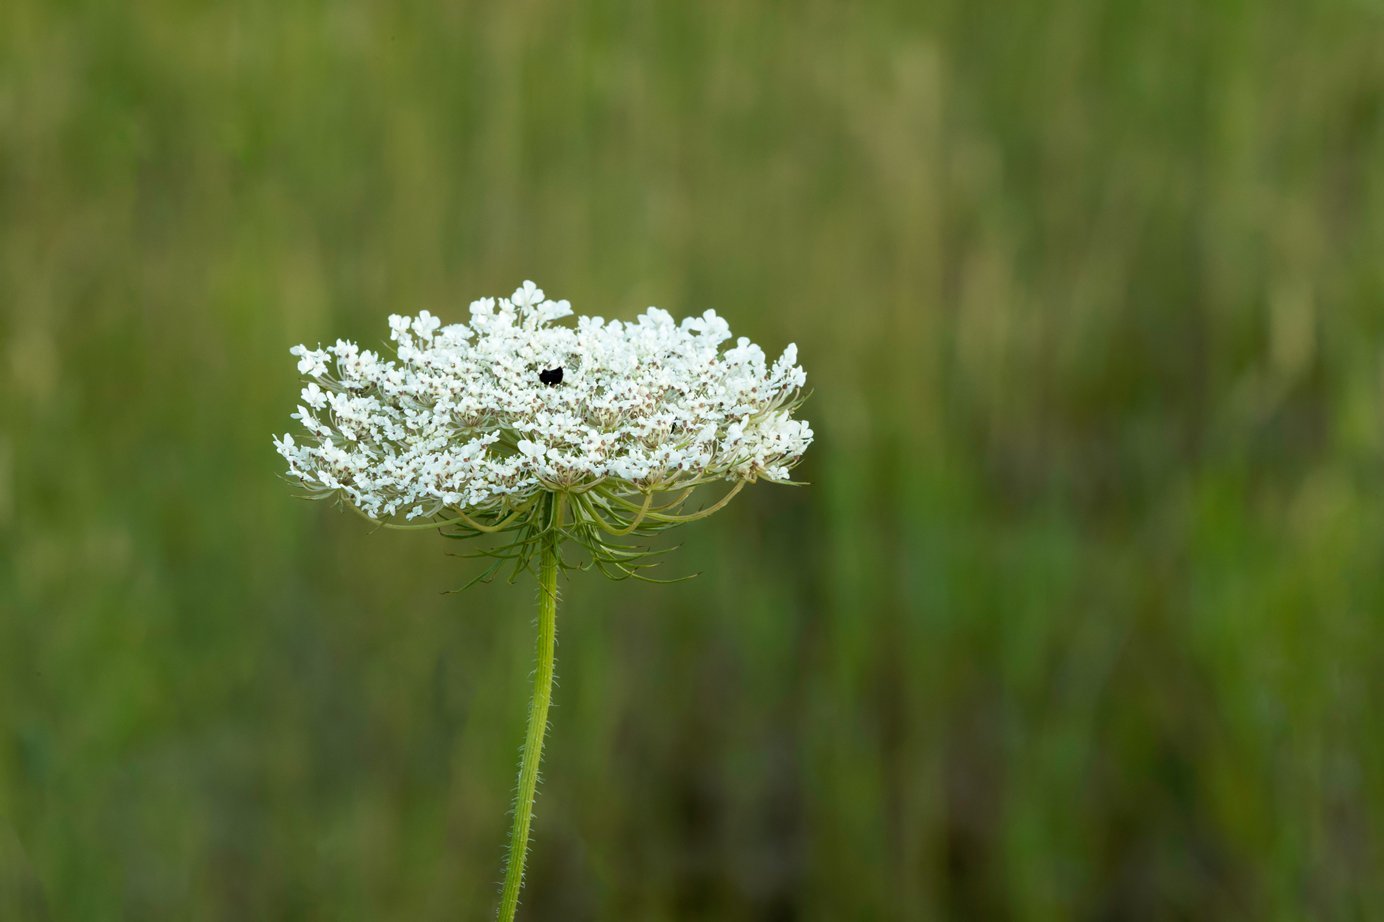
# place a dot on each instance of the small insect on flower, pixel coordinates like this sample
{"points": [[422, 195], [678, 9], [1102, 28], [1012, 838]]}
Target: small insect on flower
{"points": [[551, 377]]}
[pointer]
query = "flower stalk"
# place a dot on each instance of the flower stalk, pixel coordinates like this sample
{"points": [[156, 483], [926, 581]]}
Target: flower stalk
{"points": [[532, 755]]}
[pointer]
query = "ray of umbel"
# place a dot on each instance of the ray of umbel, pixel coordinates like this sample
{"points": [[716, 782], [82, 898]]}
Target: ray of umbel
{"points": [[588, 436]]}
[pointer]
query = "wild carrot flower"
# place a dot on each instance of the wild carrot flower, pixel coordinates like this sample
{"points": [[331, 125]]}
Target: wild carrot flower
{"points": [[549, 431]]}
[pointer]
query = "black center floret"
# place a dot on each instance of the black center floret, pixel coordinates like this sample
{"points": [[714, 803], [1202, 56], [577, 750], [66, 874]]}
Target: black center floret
{"points": [[551, 377]]}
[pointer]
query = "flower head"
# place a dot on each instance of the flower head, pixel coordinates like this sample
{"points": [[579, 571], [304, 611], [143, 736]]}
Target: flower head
{"points": [[481, 419]]}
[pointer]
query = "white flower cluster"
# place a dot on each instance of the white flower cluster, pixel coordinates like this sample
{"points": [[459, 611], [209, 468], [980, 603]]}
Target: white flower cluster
{"points": [[482, 416]]}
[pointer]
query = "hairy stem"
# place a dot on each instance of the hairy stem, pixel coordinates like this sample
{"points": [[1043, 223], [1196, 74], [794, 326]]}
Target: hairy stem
{"points": [[538, 714]]}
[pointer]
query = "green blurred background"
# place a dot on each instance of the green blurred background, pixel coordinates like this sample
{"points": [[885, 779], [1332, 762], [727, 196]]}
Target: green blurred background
{"points": [[1080, 617]]}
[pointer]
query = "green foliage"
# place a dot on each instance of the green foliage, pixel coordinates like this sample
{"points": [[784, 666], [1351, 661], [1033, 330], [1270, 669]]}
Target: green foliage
{"points": [[1080, 616]]}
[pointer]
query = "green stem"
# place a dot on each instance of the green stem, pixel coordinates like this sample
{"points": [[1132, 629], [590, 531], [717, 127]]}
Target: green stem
{"points": [[538, 715]]}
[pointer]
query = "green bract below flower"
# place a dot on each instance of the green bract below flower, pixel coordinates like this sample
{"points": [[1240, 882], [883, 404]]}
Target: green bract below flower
{"points": [[517, 422]]}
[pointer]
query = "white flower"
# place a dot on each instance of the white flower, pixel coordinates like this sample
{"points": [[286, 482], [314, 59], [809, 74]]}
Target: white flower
{"points": [[527, 295], [426, 325], [533, 450], [311, 361], [482, 416], [314, 396]]}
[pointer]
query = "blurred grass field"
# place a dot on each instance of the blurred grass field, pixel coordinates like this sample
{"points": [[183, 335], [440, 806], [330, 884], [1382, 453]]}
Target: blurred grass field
{"points": [[1082, 616]]}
